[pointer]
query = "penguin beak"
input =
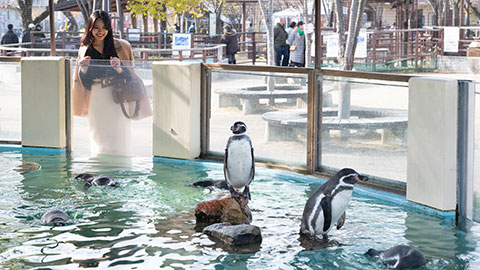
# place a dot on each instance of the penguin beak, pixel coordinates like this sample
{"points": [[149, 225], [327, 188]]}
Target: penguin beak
{"points": [[362, 178]]}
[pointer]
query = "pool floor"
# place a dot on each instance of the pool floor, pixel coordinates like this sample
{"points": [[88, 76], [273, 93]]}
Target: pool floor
{"points": [[148, 222]]}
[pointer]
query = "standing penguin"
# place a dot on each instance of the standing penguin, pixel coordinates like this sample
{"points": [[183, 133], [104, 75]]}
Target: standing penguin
{"points": [[239, 163], [328, 203]]}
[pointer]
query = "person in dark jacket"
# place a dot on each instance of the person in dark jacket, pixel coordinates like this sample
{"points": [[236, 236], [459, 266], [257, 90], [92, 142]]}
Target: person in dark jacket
{"points": [[280, 41], [27, 35], [230, 38], [9, 38]]}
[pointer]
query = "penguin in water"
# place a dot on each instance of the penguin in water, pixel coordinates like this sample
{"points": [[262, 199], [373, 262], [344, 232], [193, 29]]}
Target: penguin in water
{"points": [[96, 180], [239, 162], [405, 257], [55, 217], [326, 206]]}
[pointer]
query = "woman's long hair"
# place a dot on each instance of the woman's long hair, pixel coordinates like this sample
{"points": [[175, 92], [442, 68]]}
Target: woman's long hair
{"points": [[87, 39]]}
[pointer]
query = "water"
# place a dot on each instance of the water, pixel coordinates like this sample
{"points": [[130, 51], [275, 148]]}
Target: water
{"points": [[148, 223]]}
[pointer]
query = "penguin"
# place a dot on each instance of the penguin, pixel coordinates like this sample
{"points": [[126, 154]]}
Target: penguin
{"points": [[96, 180], [56, 217], [239, 162], [326, 206], [405, 257]]}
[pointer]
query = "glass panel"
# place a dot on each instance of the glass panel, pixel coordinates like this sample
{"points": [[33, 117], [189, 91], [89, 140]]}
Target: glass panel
{"points": [[476, 172], [106, 129], [10, 102], [276, 119], [364, 126]]}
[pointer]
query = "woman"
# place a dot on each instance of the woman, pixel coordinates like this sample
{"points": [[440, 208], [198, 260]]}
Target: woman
{"points": [[230, 38], [297, 46], [101, 59]]}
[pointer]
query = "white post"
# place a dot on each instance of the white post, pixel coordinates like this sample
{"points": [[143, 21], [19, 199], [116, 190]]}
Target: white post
{"points": [[432, 142], [43, 102], [176, 109]]}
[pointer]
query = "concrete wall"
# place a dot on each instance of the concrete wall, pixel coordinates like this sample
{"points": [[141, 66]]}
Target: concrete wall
{"points": [[432, 142], [176, 111], [43, 102], [458, 64]]}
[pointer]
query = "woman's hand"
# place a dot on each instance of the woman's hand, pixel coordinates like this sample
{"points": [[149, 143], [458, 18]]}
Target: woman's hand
{"points": [[84, 62], [115, 62]]}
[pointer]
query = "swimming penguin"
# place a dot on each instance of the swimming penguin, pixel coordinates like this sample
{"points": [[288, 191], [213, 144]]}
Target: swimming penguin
{"points": [[96, 180], [327, 205], [405, 257], [239, 162], [56, 217]]}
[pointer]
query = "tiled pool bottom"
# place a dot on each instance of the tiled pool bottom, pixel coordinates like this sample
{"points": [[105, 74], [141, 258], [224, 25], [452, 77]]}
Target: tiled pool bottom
{"points": [[148, 223]]}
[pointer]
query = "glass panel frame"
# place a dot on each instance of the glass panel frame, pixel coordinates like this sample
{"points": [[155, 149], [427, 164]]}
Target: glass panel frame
{"points": [[10, 102]]}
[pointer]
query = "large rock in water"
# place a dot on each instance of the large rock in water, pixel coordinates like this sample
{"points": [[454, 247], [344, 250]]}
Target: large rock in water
{"points": [[235, 235], [222, 208]]}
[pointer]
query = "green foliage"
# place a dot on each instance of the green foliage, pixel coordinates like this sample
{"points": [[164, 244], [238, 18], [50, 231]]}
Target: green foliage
{"points": [[158, 8]]}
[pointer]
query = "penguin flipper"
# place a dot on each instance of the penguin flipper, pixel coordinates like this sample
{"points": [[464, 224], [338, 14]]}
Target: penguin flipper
{"points": [[326, 204], [341, 220]]}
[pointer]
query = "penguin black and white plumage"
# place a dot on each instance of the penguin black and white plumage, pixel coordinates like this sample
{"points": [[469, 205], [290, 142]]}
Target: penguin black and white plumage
{"points": [[326, 206], [96, 180], [404, 257], [239, 162]]}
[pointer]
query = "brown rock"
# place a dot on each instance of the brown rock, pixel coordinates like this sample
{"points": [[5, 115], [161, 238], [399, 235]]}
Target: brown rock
{"points": [[222, 208]]}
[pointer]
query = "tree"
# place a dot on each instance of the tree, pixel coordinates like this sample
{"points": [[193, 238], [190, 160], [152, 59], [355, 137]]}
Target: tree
{"points": [[25, 9], [347, 46], [159, 8]]}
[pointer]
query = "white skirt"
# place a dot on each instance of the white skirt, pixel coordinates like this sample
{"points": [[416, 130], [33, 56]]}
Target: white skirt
{"points": [[110, 130]]}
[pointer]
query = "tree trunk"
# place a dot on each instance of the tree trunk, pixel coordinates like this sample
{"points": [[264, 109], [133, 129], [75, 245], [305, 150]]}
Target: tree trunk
{"points": [[456, 13], [218, 21], [267, 10], [145, 22], [340, 30], [73, 26]]}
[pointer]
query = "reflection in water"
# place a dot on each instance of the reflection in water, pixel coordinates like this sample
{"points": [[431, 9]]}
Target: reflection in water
{"points": [[148, 221]]}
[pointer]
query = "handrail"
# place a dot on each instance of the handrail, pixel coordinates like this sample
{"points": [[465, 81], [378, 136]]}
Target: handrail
{"points": [[216, 47], [324, 72], [10, 59]]}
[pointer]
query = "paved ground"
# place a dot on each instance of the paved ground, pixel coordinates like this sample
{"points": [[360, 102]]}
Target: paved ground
{"points": [[363, 151]]}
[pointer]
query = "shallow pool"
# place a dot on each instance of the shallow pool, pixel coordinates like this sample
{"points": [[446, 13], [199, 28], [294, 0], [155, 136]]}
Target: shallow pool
{"points": [[148, 223]]}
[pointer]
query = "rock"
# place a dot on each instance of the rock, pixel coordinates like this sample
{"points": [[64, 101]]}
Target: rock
{"points": [[26, 167], [211, 184], [223, 208], [235, 235]]}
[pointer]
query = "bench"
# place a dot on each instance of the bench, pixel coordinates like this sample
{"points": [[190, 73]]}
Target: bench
{"points": [[250, 96], [290, 124]]}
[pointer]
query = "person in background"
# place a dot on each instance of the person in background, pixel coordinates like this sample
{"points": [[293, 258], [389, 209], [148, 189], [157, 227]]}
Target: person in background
{"points": [[38, 36], [27, 36], [177, 28], [192, 29], [289, 31], [230, 38], [297, 46], [9, 38], [280, 41]]}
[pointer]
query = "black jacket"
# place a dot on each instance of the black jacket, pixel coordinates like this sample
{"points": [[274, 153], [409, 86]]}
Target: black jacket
{"points": [[279, 35], [26, 36], [9, 38], [230, 38]]}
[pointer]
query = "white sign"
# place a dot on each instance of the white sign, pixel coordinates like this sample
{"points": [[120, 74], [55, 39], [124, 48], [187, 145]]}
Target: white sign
{"points": [[213, 24], [451, 36], [133, 34], [361, 50], [345, 10], [332, 45], [181, 41], [308, 28]]}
